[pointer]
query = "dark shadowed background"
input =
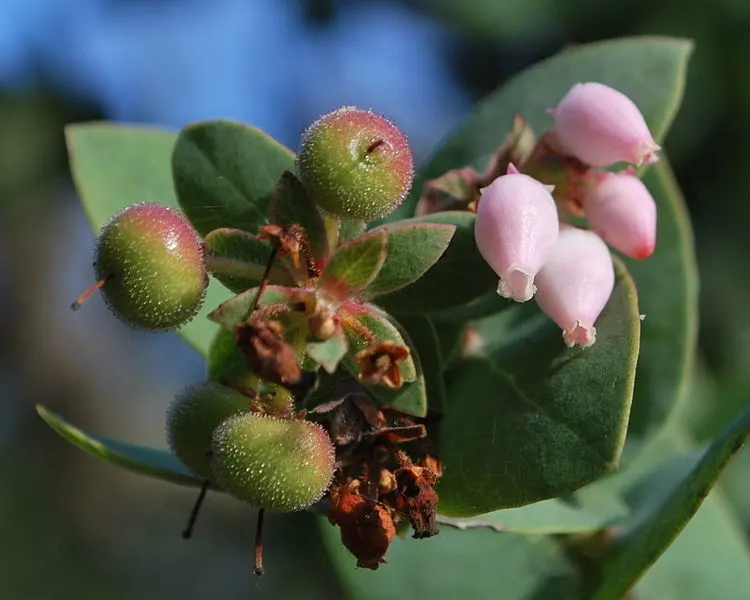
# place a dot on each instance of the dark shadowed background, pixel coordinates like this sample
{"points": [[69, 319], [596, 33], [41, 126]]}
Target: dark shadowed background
{"points": [[72, 527]]}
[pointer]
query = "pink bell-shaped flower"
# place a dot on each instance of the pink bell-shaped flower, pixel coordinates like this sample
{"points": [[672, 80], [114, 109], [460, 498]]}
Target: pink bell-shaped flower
{"points": [[575, 284], [601, 126], [622, 211], [515, 229]]}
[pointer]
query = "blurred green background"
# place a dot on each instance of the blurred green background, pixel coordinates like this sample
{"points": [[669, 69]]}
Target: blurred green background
{"points": [[72, 527]]}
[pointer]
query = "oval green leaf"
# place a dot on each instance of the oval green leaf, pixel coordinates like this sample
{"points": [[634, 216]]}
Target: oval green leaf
{"points": [[225, 174], [412, 249], [588, 510], [459, 276], [238, 259], [422, 336], [667, 285], [159, 464], [114, 166], [661, 522], [533, 419]]}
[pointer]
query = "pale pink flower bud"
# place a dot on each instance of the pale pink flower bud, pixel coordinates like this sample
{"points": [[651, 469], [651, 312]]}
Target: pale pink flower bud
{"points": [[620, 209], [601, 126], [575, 284], [516, 228]]}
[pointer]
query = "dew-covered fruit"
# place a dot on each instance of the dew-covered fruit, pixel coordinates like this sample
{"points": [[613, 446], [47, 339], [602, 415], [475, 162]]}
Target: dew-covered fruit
{"points": [[280, 464], [150, 260], [355, 164], [192, 418]]}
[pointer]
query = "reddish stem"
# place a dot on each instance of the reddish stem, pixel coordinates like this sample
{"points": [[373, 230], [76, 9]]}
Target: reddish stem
{"points": [[88, 293]]}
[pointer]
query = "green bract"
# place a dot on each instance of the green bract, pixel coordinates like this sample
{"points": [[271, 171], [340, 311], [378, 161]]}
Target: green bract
{"points": [[151, 262], [355, 164]]}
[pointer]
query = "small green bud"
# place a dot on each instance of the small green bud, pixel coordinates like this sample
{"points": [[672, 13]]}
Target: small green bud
{"points": [[149, 261], [192, 418], [280, 464], [355, 164]]}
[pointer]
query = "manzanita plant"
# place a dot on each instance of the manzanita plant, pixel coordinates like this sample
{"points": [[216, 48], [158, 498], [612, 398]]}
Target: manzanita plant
{"points": [[385, 349]]}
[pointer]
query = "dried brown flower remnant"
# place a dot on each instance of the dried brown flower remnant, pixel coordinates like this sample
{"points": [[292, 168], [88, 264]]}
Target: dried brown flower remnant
{"points": [[266, 352], [367, 528], [379, 364], [433, 468], [417, 499], [290, 240]]}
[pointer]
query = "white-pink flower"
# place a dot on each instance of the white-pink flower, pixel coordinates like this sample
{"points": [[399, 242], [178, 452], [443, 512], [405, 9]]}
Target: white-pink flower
{"points": [[575, 283], [601, 126], [622, 211], [516, 228]]}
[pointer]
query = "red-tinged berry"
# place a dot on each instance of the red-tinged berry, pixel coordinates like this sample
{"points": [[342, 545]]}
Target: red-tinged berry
{"points": [[149, 263], [355, 164]]}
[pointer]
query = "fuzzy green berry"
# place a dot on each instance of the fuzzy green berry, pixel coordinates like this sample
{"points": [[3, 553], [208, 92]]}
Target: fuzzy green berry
{"points": [[192, 418], [355, 164], [281, 464], [149, 261]]}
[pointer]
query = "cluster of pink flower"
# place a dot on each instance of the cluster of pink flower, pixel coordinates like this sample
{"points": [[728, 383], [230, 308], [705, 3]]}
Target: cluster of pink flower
{"points": [[568, 269]]}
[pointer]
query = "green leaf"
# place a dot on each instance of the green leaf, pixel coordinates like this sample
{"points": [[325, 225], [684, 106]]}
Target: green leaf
{"points": [[225, 174], [591, 509], [238, 259], [667, 285], [114, 166], [411, 397], [354, 265], [291, 204], [236, 310], [650, 70], [710, 559], [533, 419], [328, 354], [488, 304], [423, 337], [226, 364], [412, 249], [459, 564], [160, 464], [661, 522], [458, 277]]}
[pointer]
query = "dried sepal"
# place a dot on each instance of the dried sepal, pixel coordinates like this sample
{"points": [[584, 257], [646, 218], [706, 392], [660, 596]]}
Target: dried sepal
{"points": [[291, 240], [417, 499], [379, 364], [459, 189], [266, 352], [367, 528]]}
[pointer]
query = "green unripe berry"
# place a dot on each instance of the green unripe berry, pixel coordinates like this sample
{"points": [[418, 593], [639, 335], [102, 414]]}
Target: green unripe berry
{"points": [[355, 164], [150, 261], [281, 464], [192, 418]]}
